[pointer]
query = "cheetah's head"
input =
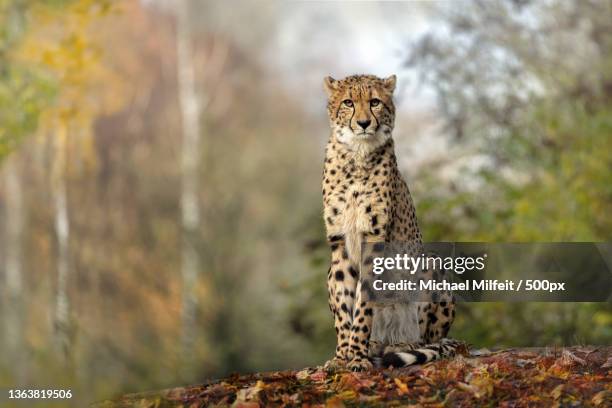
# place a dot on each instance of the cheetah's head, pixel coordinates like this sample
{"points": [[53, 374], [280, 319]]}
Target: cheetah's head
{"points": [[361, 110]]}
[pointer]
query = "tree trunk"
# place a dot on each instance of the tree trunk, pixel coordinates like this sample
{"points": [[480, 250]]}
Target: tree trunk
{"points": [[13, 270], [190, 157], [62, 234]]}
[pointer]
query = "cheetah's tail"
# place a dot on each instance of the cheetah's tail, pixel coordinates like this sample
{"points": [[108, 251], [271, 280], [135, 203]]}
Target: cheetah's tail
{"points": [[423, 354]]}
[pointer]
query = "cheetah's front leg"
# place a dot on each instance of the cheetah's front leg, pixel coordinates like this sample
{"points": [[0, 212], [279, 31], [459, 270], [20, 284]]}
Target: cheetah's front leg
{"points": [[360, 334], [341, 285]]}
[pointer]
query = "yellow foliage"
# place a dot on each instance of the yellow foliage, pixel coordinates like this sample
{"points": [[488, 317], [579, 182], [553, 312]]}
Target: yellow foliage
{"points": [[401, 386], [63, 43]]}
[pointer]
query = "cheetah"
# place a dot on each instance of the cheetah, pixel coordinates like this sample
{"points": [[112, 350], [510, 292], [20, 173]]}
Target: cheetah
{"points": [[366, 200]]}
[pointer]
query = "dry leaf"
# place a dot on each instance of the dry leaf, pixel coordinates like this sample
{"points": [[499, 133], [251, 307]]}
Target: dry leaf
{"points": [[401, 386], [568, 359], [466, 387], [318, 375], [303, 374], [247, 394], [522, 362], [480, 352], [245, 405], [334, 402], [347, 395], [556, 393], [449, 397], [603, 398], [431, 399]]}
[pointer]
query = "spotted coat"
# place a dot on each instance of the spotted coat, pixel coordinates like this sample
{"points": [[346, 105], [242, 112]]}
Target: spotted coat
{"points": [[366, 200]]}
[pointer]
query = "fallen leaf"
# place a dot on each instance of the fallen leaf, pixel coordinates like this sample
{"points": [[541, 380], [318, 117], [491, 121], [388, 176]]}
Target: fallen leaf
{"points": [[522, 362], [568, 359], [401, 386], [603, 398], [245, 405], [483, 386], [430, 400], [291, 399], [557, 391], [354, 382], [334, 402], [480, 352], [369, 398], [247, 394], [466, 387], [347, 395], [559, 371], [318, 376], [303, 374], [449, 397]]}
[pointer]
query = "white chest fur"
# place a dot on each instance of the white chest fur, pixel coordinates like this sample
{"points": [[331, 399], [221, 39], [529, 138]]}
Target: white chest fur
{"points": [[354, 221]]}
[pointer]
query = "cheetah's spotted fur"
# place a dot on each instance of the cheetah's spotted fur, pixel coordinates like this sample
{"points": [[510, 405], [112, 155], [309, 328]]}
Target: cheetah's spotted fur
{"points": [[365, 198]]}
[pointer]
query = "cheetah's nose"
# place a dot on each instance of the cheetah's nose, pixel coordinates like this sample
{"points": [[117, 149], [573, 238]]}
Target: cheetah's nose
{"points": [[364, 123]]}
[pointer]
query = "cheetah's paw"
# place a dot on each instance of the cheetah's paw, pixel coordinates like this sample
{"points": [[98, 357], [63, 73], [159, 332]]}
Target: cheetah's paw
{"points": [[360, 364], [335, 364]]}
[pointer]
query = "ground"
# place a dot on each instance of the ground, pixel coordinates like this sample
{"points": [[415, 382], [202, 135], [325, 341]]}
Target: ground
{"points": [[542, 377]]}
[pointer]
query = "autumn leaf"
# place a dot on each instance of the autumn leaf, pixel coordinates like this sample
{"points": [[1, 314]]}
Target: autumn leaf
{"points": [[556, 393], [303, 374], [347, 395], [467, 387], [245, 405], [568, 359], [334, 402], [522, 362], [318, 376], [351, 381], [602, 398], [402, 387], [250, 393], [430, 400]]}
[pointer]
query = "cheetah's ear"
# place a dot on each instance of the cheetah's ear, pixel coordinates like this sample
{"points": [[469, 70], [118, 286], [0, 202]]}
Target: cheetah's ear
{"points": [[330, 85], [389, 83]]}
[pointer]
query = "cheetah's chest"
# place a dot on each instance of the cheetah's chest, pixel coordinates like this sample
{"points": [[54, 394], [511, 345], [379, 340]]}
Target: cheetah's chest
{"points": [[354, 220]]}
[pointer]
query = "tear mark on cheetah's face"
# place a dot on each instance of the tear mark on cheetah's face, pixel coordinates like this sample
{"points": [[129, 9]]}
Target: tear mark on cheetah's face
{"points": [[361, 110]]}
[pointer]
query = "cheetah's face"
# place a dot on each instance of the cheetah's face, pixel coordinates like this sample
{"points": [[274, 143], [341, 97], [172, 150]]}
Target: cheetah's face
{"points": [[360, 108]]}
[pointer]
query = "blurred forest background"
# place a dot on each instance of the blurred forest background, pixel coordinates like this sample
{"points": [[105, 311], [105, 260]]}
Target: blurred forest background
{"points": [[160, 209]]}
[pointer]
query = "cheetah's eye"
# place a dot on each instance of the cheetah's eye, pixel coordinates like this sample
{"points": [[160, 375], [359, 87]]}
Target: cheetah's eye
{"points": [[374, 102], [348, 102]]}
